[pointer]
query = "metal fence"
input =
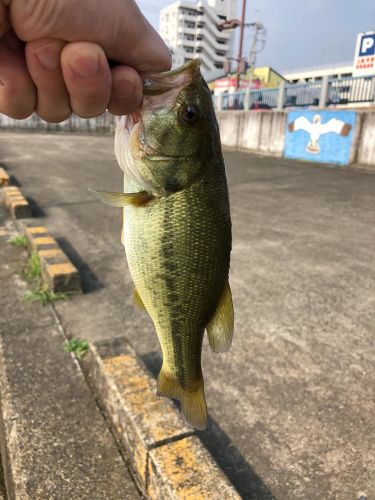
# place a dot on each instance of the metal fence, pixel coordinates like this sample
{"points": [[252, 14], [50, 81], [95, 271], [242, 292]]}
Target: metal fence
{"points": [[264, 98], [302, 94], [233, 100], [333, 92], [258, 99], [103, 124], [351, 90]]}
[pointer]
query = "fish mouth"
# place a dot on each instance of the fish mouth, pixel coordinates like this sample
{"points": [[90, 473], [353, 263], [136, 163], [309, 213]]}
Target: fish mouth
{"points": [[165, 158], [158, 83]]}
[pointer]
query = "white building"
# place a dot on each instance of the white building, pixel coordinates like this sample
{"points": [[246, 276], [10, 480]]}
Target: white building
{"points": [[363, 64], [193, 29], [315, 74]]}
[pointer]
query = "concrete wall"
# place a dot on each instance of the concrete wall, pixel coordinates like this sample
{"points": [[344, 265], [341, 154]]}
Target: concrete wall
{"points": [[257, 131], [366, 143], [263, 132], [103, 124]]}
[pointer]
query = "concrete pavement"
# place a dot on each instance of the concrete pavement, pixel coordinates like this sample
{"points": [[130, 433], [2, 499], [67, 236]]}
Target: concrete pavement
{"points": [[292, 403], [54, 441]]}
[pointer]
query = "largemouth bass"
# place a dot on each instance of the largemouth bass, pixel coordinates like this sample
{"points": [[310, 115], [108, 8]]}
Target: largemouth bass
{"points": [[177, 227]]}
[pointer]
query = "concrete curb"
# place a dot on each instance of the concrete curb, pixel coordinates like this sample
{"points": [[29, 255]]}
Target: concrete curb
{"points": [[4, 178], [57, 270], [168, 459], [16, 203]]}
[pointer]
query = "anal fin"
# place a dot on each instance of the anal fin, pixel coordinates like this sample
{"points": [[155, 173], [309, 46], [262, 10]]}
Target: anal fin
{"points": [[137, 301], [220, 328]]}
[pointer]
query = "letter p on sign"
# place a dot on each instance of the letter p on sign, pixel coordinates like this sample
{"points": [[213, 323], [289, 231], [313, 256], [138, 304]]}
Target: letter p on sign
{"points": [[367, 47]]}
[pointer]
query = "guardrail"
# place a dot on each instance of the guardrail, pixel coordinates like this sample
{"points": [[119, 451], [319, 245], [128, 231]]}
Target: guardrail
{"points": [[323, 93], [351, 90]]}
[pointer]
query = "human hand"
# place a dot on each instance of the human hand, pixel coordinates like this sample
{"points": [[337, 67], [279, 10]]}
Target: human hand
{"points": [[54, 57]]}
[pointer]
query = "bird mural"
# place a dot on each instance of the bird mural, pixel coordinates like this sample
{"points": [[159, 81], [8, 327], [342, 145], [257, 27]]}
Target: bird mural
{"points": [[316, 129]]}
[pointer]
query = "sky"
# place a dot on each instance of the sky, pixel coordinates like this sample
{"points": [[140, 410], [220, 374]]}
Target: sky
{"points": [[300, 33]]}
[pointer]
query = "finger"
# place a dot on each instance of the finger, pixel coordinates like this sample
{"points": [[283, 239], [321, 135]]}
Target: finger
{"points": [[43, 62], [17, 90], [126, 94], [87, 77], [116, 25]]}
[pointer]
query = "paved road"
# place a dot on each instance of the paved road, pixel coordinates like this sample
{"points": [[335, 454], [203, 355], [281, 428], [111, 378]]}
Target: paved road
{"points": [[292, 404]]}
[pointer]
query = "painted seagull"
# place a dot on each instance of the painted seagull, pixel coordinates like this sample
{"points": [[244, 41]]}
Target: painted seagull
{"points": [[317, 128]]}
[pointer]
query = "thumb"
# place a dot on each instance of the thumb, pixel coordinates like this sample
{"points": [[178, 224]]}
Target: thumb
{"points": [[117, 26]]}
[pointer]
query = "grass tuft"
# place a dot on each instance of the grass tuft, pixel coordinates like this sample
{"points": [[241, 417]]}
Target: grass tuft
{"points": [[33, 268], [79, 347], [43, 295], [18, 241], [32, 273]]}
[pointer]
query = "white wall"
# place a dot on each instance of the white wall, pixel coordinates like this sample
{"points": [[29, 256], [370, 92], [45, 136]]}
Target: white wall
{"points": [[258, 131], [366, 145]]}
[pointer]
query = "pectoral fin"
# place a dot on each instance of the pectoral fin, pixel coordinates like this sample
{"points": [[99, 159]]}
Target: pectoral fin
{"points": [[121, 199], [220, 328], [137, 301]]}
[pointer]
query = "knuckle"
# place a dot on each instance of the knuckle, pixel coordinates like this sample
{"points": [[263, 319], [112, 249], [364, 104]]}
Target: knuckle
{"points": [[35, 18]]}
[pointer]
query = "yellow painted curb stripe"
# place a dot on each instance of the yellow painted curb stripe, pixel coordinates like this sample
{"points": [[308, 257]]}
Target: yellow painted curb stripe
{"points": [[18, 203], [52, 253], [36, 230], [63, 268], [45, 240]]}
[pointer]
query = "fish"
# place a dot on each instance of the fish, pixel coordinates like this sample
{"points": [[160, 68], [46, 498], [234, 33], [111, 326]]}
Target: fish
{"points": [[177, 227]]}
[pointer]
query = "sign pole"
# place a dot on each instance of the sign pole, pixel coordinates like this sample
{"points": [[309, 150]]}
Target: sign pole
{"points": [[239, 57]]}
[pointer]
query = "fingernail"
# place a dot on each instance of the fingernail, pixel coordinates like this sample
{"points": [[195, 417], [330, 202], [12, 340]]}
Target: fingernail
{"points": [[48, 56], [85, 66]]}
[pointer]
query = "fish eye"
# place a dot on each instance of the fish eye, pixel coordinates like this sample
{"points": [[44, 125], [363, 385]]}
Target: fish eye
{"points": [[190, 114]]}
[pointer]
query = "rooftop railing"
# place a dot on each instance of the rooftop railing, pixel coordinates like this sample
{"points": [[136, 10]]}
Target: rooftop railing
{"points": [[323, 93]]}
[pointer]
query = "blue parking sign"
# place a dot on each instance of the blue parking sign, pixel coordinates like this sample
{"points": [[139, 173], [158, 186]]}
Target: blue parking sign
{"points": [[367, 45]]}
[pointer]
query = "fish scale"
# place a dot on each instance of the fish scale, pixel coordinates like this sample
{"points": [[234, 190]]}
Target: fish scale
{"points": [[198, 273]]}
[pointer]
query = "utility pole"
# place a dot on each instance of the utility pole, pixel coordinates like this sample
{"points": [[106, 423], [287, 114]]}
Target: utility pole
{"points": [[239, 57], [259, 36]]}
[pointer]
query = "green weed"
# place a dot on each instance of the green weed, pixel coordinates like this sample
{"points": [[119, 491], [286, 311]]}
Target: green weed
{"points": [[32, 268], [79, 347], [42, 294], [18, 241]]}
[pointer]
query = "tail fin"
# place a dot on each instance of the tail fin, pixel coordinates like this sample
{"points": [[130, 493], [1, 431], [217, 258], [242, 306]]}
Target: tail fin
{"points": [[193, 403]]}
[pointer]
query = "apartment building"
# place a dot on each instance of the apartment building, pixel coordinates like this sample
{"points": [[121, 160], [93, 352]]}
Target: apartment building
{"points": [[192, 29]]}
